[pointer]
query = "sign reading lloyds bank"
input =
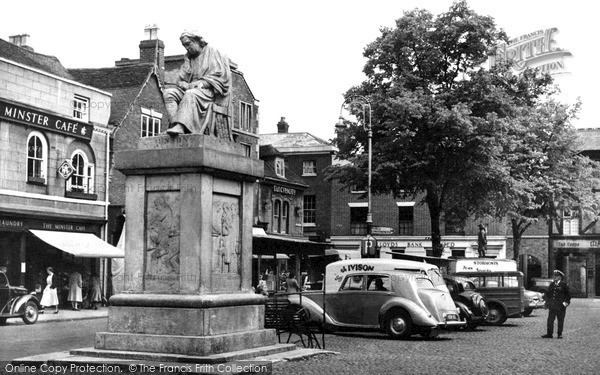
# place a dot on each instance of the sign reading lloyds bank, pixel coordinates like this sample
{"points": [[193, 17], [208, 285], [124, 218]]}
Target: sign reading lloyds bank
{"points": [[534, 50], [46, 121]]}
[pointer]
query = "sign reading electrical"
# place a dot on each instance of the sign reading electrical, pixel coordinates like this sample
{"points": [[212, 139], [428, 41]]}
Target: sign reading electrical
{"points": [[534, 50]]}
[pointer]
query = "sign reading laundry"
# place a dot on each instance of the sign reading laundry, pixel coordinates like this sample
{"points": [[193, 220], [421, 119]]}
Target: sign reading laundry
{"points": [[41, 120]]}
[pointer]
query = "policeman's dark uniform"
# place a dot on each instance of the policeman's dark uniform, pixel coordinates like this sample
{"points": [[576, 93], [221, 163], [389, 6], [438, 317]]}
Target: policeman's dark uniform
{"points": [[557, 295]]}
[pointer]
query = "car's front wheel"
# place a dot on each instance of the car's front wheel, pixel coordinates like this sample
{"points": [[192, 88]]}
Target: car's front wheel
{"points": [[527, 311], [398, 324], [496, 315], [30, 316]]}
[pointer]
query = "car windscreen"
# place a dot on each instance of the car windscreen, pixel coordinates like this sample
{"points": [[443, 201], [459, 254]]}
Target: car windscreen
{"points": [[435, 276]]}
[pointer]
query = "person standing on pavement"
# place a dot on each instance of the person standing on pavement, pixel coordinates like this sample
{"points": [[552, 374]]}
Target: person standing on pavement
{"points": [[557, 300], [50, 296], [291, 284], [75, 283], [95, 292]]}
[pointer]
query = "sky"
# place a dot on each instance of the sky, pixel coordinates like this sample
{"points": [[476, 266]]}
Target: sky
{"points": [[298, 57]]}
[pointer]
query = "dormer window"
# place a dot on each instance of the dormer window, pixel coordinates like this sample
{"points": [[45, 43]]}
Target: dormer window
{"points": [[280, 167]]}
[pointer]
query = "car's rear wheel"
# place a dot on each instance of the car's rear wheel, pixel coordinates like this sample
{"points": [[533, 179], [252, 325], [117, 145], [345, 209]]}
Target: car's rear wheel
{"points": [[398, 324], [496, 315], [2, 321], [30, 316]]}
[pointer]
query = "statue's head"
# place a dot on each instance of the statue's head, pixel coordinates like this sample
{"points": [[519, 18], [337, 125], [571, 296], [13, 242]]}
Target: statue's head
{"points": [[193, 42]]}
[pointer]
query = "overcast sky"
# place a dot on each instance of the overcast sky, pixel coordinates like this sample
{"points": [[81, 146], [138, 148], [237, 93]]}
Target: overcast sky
{"points": [[298, 57]]}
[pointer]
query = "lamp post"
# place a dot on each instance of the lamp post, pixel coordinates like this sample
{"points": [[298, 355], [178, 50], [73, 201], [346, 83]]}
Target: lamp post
{"points": [[369, 244]]}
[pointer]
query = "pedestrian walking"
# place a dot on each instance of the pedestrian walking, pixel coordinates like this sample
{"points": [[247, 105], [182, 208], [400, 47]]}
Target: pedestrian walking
{"points": [[557, 300], [75, 284], [482, 241], [50, 296]]}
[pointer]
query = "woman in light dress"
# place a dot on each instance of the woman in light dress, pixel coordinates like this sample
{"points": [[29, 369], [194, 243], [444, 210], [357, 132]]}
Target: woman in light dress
{"points": [[50, 296], [75, 290]]}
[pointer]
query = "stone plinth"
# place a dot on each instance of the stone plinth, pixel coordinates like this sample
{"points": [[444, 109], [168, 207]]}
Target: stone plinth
{"points": [[188, 250]]}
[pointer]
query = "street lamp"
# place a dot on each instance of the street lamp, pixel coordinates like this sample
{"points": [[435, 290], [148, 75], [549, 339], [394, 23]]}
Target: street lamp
{"points": [[369, 244]]}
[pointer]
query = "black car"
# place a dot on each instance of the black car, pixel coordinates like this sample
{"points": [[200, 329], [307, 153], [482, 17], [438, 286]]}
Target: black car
{"points": [[472, 305], [16, 302]]}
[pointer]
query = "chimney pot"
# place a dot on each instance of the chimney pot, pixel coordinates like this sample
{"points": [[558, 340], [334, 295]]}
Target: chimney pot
{"points": [[282, 126], [151, 32]]}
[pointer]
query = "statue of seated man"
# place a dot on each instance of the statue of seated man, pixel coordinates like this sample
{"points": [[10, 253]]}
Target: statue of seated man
{"points": [[204, 78]]}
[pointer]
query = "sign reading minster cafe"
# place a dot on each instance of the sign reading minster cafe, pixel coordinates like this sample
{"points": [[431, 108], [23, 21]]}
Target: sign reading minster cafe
{"points": [[50, 122]]}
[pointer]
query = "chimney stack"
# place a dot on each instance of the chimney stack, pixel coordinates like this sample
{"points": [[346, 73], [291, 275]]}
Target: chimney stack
{"points": [[282, 126], [152, 49], [21, 41]]}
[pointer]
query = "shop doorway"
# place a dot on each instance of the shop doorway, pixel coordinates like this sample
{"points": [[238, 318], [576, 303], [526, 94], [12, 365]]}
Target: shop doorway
{"points": [[577, 275]]}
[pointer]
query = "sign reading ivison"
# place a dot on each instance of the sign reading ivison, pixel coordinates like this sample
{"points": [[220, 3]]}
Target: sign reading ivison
{"points": [[41, 120]]}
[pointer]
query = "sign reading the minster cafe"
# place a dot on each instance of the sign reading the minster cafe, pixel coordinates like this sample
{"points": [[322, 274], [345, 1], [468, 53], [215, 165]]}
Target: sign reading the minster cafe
{"points": [[534, 50], [49, 122]]}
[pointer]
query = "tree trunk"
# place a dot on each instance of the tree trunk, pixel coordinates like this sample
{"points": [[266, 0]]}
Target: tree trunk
{"points": [[518, 228], [434, 215], [516, 239]]}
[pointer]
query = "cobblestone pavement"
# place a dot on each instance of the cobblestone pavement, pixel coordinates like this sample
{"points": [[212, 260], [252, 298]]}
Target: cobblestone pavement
{"points": [[513, 348]]}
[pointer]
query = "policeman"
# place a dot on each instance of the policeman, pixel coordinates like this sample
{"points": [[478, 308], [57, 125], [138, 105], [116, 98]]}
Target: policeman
{"points": [[557, 300]]}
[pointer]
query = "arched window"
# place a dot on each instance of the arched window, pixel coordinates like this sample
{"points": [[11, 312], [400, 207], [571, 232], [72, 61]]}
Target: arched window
{"points": [[285, 223], [82, 179], [277, 216], [37, 158]]}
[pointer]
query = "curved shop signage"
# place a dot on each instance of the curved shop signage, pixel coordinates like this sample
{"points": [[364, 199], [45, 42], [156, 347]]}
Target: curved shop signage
{"points": [[534, 50], [49, 122]]}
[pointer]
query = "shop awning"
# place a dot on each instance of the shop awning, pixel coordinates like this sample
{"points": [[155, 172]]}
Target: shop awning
{"points": [[269, 244], [85, 245]]}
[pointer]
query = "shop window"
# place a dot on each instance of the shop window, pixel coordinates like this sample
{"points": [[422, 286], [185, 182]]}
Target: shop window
{"points": [[81, 108], [309, 210], [277, 216], [37, 158], [285, 223], [150, 123], [309, 168], [81, 182]]}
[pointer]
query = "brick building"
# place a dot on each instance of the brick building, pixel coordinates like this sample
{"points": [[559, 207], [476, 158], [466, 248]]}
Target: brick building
{"points": [[53, 166]]}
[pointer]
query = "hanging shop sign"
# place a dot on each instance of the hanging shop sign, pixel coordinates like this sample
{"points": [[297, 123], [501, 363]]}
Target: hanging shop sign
{"points": [[38, 119], [534, 50], [65, 170]]}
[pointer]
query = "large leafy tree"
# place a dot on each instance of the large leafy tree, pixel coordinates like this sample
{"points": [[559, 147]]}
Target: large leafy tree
{"points": [[546, 172], [438, 114]]}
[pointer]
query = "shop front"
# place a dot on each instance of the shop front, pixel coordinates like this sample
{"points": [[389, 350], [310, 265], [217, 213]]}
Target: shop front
{"points": [[29, 245], [578, 259], [275, 256]]}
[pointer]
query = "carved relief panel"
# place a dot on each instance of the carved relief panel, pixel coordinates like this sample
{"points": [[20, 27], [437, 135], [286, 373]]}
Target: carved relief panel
{"points": [[226, 234]]}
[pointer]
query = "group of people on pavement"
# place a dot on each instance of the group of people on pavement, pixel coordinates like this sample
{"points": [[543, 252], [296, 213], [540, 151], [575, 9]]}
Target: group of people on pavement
{"points": [[76, 297]]}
